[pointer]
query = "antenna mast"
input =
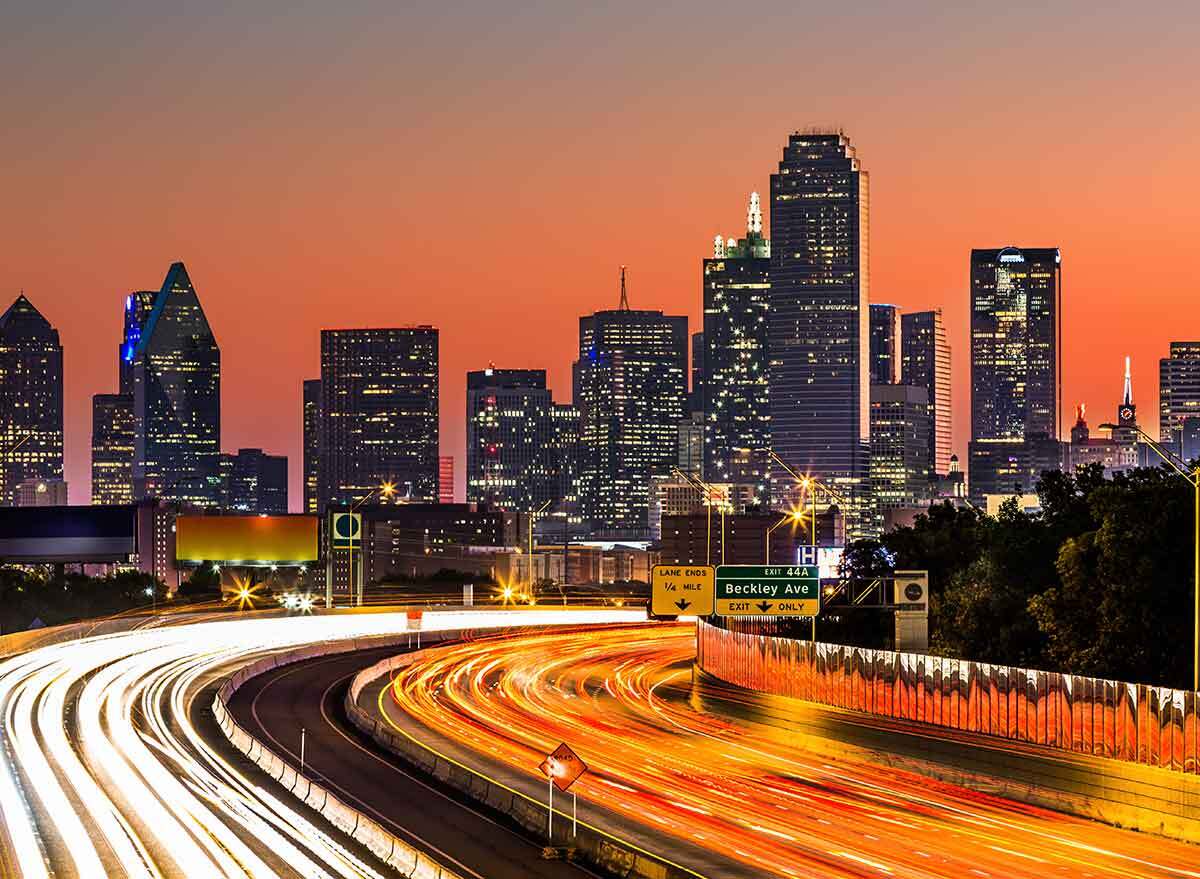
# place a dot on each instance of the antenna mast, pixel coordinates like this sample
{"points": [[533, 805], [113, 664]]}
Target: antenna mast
{"points": [[624, 306]]}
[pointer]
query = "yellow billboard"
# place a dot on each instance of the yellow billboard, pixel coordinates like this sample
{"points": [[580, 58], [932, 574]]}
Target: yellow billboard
{"points": [[248, 540]]}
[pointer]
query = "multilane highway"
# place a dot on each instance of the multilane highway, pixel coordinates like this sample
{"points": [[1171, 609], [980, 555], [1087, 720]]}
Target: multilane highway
{"points": [[103, 771], [619, 697]]}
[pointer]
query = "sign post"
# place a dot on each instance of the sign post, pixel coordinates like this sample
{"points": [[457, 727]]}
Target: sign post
{"points": [[345, 533], [768, 590], [681, 589], [562, 768]]}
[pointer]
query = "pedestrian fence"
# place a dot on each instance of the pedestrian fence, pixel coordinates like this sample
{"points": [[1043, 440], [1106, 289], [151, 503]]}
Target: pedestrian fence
{"points": [[1154, 726]]}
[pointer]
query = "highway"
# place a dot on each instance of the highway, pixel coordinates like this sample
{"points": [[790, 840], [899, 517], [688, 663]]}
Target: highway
{"points": [[620, 698], [103, 771]]}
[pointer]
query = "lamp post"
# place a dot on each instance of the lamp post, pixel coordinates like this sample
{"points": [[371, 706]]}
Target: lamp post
{"points": [[709, 493], [384, 489], [533, 514], [1193, 479], [795, 516]]}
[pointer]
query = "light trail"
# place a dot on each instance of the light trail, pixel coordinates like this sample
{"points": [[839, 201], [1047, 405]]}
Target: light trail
{"points": [[745, 790], [102, 772]]}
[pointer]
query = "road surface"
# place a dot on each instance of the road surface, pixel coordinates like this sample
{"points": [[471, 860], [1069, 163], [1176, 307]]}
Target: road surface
{"points": [[620, 698]]}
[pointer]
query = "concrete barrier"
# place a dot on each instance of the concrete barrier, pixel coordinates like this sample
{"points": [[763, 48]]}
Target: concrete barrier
{"points": [[404, 858], [599, 848]]}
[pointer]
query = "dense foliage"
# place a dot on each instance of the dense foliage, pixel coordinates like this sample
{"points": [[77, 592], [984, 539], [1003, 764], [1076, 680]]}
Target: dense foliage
{"points": [[1098, 583], [27, 598]]}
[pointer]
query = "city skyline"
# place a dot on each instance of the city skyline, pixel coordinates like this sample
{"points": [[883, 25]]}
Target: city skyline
{"points": [[330, 206]]}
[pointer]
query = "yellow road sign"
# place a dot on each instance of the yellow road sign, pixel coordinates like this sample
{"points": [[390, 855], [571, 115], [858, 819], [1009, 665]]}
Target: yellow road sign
{"points": [[681, 589]]}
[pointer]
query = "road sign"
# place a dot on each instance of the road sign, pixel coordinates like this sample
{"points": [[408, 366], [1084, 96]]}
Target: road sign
{"points": [[768, 590], [681, 589], [563, 767], [346, 531]]}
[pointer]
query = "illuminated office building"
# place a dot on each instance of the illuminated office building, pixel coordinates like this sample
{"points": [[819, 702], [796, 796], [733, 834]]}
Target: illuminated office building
{"points": [[311, 425], [1015, 368], [736, 407], [901, 421], [1178, 391], [255, 482], [818, 321], [696, 395], [31, 399], [379, 414], [176, 374], [885, 344], [521, 445], [630, 386], [925, 363], [445, 479]]}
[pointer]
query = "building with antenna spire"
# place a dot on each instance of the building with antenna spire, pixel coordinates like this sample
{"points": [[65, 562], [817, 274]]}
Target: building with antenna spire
{"points": [[736, 406], [630, 387], [1116, 453]]}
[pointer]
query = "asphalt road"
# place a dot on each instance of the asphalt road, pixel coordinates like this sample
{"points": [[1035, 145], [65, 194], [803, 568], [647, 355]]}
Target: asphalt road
{"points": [[275, 706]]}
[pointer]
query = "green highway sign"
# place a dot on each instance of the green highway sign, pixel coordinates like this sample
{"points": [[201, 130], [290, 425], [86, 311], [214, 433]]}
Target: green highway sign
{"points": [[768, 590]]}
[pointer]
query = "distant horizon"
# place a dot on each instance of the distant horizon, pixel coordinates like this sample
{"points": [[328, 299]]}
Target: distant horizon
{"points": [[487, 170]]}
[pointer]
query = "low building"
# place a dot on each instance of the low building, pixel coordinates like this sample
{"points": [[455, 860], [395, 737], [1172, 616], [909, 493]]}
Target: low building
{"points": [[40, 493], [686, 539]]}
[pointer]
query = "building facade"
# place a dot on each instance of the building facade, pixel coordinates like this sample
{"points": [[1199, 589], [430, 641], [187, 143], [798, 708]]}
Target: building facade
{"points": [[630, 387], [379, 414], [112, 448], [176, 374], [885, 344], [1178, 391], [521, 445], [901, 421], [737, 416], [255, 482], [311, 429], [925, 363], [818, 321], [31, 399], [1016, 300], [445, 479]]}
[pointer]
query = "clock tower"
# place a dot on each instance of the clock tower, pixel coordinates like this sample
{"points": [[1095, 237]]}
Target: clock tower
{"points": [[1126, 431]]}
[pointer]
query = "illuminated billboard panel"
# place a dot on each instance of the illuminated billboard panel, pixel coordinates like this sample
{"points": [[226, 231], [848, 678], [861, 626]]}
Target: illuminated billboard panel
{"points": [[248, 540]]}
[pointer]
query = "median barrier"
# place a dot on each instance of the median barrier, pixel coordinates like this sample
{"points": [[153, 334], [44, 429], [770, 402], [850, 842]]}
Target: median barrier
{"points": [[407, 860], [605, 851]]}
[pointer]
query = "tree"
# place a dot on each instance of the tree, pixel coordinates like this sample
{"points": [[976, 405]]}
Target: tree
{"points": [[202, 580]]}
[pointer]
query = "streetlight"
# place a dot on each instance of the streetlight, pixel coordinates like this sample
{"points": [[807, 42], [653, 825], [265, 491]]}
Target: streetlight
{"points": [[533, 514], [795, 517], [1193, 479], [709, 493]]}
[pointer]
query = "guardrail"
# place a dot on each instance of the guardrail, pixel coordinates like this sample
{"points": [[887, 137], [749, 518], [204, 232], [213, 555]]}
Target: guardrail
{"points": [[395, 852], [1136, 723]]}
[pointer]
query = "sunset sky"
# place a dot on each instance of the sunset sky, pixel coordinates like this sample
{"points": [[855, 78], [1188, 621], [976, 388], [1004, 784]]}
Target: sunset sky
{"points": [[487, 166]]}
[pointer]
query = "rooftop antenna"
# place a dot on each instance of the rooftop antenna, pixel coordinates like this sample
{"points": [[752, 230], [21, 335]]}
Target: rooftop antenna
{"points": [[1128, 397], [624, 306], [754, 216]]}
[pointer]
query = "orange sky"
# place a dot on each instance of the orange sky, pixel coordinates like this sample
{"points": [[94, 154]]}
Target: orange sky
{"points": [[486, 170]]}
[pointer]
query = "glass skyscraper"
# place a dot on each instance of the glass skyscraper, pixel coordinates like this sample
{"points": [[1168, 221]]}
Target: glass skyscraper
{"points": [[1179, 393], [312, 444], [255, 482], [521, 445], [736, 407], [818, 321], [925, 363], [31, 399], [630, 387], [901, 422], [885, 344], [1016, 299], [176, 374], [379, 414]]}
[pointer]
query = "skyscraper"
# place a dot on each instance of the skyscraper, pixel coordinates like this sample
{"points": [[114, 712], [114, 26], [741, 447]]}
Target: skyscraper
{"points": [[737, 416], [696, 395], [312, 444], [818, 320], [925, 363], [885, 344], [379, 413], [176, 373], [31, 399], [1178, 390], [113, 419], [520, 443], [256, 482], [901, 422], [1015, 369], [630, 386]]}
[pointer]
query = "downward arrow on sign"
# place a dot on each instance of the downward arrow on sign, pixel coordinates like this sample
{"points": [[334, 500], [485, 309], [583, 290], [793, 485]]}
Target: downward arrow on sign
{"points": [[764, 606], [683, 604]]}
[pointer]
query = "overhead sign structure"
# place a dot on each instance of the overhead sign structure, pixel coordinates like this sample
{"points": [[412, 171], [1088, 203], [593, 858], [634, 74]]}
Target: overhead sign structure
{"points": [[346, 530], [563, 767], [681, 589], [768, 590]]}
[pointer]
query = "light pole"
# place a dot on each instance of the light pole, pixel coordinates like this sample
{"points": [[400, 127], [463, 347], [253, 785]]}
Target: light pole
{"points": [[795, 517], [533, 514], [709, 493], [1193, 479], [386, 489]]}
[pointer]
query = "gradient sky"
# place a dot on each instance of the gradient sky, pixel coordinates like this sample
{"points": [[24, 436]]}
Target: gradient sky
{"points": [[485, 167]]}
